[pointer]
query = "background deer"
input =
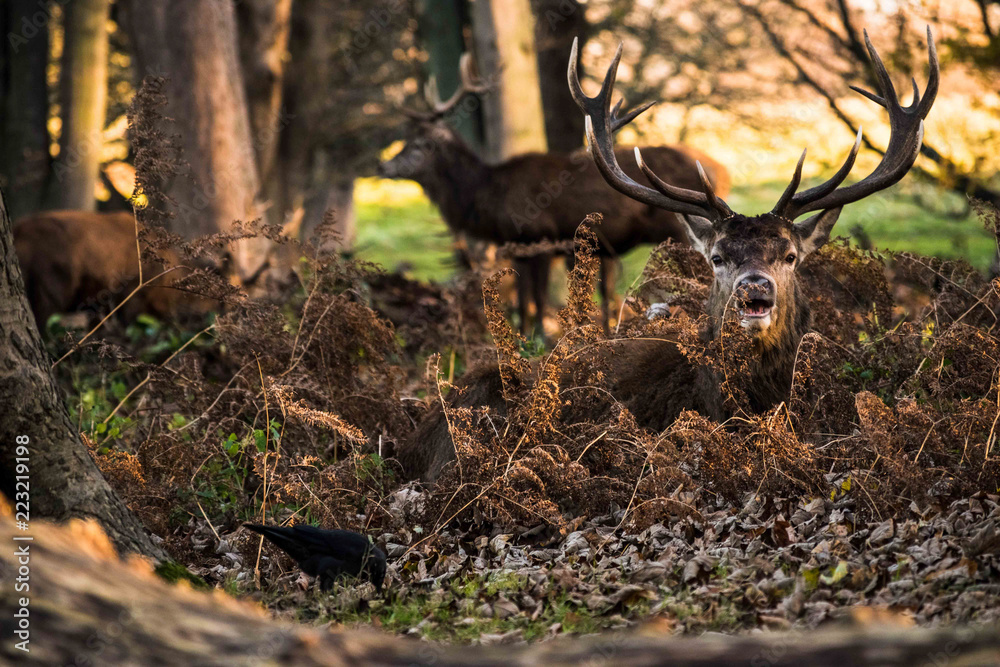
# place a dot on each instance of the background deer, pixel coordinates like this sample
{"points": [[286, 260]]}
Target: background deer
{"points": [[537, 196], [754, 260], [76, 259]]}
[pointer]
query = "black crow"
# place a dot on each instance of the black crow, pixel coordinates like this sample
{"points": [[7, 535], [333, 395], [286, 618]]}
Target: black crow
{"points": [[327, 554]]}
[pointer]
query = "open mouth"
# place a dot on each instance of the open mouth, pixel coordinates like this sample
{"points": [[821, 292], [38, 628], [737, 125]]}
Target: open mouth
{"points": [[756, 308]]}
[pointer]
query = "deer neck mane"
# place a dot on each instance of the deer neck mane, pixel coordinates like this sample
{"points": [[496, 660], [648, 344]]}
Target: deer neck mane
{"points": [[458, 174], [771, 360]]}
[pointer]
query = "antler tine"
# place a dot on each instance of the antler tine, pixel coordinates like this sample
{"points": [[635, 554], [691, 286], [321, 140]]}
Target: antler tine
{"points": [[881, 74], [713, 199], [789, 192], [906, 132], [672, 191], [618, 123], [586, 104], [916, 95], [597, 105], [601, 123], [872, 96], [470, 83], [467, 84], [431, 92], [786, 205], [933, 77]]}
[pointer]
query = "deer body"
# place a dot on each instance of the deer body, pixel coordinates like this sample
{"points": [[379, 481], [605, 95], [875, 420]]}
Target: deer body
{"points": [[74, 259], [540, 197], [754, 260]]}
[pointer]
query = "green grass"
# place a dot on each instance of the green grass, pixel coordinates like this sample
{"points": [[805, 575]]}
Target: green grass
{"points": [[397, 225], [409, 232], [463, 608]]}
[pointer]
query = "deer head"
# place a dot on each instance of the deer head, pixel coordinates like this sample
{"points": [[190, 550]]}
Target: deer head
{"points": [[755, 258], [430, 139]]}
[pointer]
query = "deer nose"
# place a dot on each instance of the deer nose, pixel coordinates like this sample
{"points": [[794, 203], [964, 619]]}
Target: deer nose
{"points": [[755, 281]]}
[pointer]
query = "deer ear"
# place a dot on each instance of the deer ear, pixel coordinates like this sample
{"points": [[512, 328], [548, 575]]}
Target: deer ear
{"points": [[700, 232], [814, 232]]}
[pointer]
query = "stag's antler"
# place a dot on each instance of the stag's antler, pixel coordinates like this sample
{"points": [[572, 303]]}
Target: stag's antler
{"points": [[906, 134], [468, 83], [602, 122]]}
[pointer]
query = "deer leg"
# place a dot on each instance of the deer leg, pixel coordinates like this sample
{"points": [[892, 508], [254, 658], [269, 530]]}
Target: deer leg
{"points": [[542, 265], [523, 268]]}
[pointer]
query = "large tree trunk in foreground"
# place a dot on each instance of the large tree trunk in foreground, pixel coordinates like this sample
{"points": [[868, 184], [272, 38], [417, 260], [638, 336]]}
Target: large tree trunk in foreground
{"points": [[193, 44], [64, 481], [505, 48], [24, 104], [84, 95], [87, 608]]}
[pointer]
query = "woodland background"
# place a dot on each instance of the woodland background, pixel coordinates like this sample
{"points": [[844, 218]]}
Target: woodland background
{"points": [[294, 103]]}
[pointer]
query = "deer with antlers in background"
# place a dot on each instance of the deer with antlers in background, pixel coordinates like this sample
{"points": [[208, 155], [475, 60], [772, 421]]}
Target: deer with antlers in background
{"points": [[754, 259], [537, 197]]}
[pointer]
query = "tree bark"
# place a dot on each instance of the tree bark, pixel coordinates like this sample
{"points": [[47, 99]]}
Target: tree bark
{"points": [[24, 149], [63, 479], [85, 607], [557, 23], [193, 44], [264, 27], [441, 24], [84, 92], [505, 48], [305, 181], [337, 198]]}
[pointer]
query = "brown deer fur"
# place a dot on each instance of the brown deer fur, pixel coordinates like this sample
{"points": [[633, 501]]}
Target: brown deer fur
{"points": [[76, 259], [541, 196], [754, 260], [650, 376]]}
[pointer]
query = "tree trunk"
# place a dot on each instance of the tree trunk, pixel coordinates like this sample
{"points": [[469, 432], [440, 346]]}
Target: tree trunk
{"points": [[193, 44], [337, 198], [305, 181], [441, 24], [505, 47], [557, 22], [263, 37], [24, 135], [85, 607], [84, 89], [64, 480]]}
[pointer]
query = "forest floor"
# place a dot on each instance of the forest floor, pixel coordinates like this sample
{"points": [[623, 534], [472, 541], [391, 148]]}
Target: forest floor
{"points": [[873, 496]]}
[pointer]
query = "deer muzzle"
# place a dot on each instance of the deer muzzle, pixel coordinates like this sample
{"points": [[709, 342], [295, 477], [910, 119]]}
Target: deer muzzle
{"points": [[755, 300]]}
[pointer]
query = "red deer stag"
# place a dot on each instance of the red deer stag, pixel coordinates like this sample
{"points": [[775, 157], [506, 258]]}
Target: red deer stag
{"points": [[754, 259], [77, 259], [537, 196]]}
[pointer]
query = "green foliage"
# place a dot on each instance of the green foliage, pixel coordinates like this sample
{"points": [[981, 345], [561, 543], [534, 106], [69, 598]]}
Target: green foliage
{"points": [[533, 347], [171, 571]]}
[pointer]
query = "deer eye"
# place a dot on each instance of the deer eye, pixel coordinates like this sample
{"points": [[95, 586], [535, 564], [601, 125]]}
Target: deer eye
{"points": [[716, 260], [791, 258]]}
